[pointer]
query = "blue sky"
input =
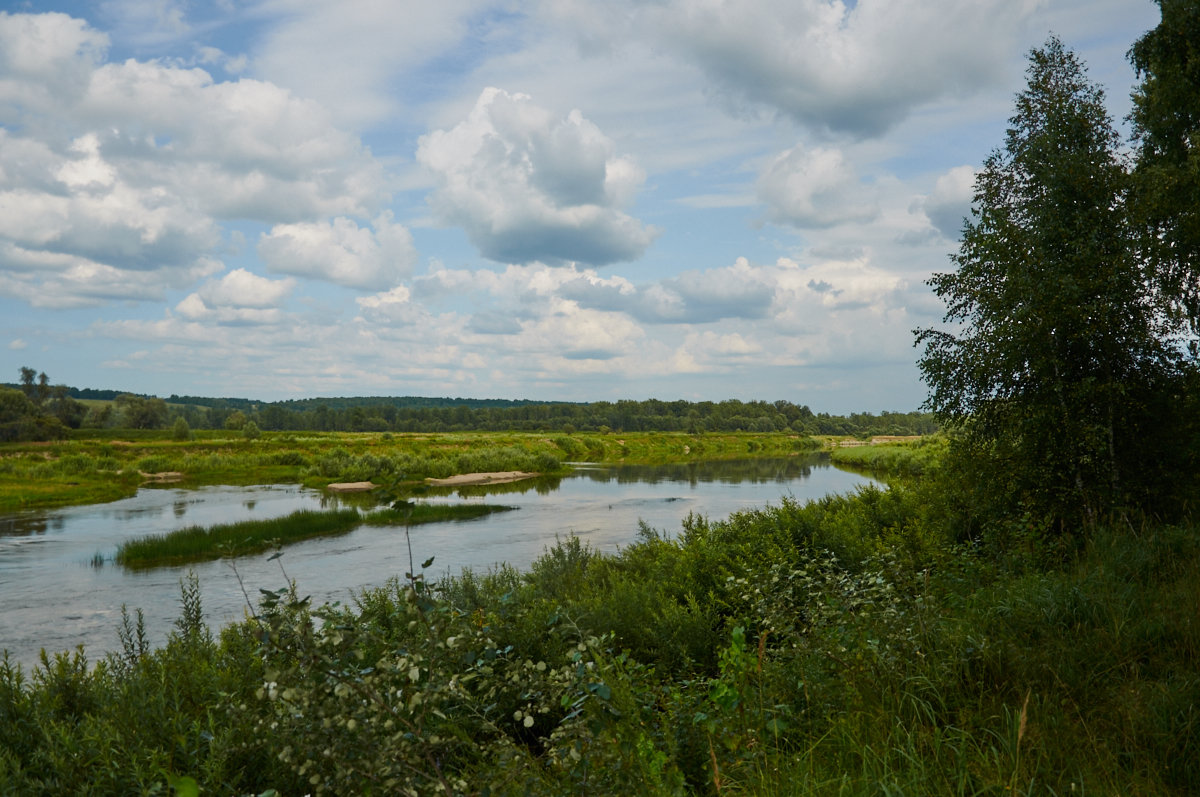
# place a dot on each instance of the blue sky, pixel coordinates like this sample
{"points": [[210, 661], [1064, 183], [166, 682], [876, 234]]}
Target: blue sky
{"points": [[567, 199]]}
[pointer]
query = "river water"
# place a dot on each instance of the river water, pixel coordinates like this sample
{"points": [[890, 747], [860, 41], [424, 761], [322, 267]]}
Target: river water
{"points": [[59, 587]]}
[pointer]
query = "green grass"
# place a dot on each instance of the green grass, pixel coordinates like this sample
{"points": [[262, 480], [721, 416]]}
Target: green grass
{"points": [[848, 646], [104, 465], [198, 544], [899, 459]]}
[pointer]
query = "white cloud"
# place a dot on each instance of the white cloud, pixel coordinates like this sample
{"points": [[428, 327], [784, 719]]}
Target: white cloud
{"points": [[527, 186], [344, 55], [107, 169], [48, 280], [240, 288], [17, 344], [239, 297], [243, 149], [814, 188], [950, 201], [855, 67], [45, 60], [340, 251]]}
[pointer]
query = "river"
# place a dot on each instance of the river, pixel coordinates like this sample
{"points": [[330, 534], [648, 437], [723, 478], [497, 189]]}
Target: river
{"points": [[59, 587]]}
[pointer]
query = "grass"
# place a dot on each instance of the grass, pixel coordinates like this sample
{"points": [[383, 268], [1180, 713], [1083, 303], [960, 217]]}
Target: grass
{"points": [[847, 646], [95, 466], [198, 544], [894, 459]]}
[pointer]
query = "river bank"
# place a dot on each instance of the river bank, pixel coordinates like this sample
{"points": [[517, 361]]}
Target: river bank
{"points": [[92, 469]]}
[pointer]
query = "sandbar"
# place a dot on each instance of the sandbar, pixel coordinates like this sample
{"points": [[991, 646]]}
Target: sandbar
{"points": [[498, 477], [350, 487]]}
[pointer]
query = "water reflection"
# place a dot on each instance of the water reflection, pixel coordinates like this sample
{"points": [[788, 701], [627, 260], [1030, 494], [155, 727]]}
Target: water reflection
{"points": [[52, 595], [23, 526], [754, 471]]}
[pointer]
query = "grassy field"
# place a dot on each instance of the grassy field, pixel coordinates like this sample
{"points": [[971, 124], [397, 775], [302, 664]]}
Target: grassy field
{"points": [[94, 466]]}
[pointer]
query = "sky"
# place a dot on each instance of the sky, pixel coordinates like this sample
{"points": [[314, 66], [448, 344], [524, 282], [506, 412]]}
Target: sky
{"points": [[555, 199]]}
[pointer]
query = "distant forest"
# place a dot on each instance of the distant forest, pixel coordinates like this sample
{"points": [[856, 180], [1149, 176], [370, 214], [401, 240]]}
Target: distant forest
{"points": [[36, 410]]}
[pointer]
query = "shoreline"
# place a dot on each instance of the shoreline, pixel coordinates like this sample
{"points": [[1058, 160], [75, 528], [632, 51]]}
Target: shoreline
{"points": [[497, 477]]}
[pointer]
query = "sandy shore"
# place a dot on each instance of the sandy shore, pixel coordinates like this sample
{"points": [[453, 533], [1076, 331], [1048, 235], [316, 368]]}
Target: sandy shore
{"points": [[350, 487], [498, 477]]}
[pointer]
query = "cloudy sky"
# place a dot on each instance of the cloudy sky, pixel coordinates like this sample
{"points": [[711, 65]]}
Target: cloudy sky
{"points": [[550, 199]]}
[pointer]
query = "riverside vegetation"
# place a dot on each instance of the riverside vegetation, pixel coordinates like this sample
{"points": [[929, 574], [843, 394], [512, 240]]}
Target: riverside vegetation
{"points": [[199, 544], [852, 645], [1015, 614], [93, 467]]}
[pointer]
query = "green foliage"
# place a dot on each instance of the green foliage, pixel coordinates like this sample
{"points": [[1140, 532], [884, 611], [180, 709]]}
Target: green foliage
{"points": [[197, 543], [1061, 367], [21, 419], [902, 459], [1166, 185], [841, 646], [181, 431]]}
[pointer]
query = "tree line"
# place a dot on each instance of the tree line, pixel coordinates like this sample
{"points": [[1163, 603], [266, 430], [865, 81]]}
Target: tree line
{"points": [[39, 411]]}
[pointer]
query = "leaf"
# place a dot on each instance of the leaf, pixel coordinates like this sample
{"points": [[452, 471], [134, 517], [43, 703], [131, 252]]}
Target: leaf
{"points": [[183, 785], [601, 691], [427, 562]]}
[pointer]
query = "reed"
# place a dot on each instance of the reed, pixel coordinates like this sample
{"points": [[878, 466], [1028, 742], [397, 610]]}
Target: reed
{"points": [[198, 544]]}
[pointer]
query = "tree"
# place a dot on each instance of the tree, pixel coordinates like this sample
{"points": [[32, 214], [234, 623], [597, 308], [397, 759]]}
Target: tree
{"points": [[1166, 180], [1057, 356], [27, 376], [142, 413]]}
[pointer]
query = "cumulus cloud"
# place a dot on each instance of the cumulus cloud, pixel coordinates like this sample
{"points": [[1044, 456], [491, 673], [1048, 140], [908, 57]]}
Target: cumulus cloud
{"points": [[344, 54], [112, 168], [950, 201], [340, 251], [241, 288], [814, 188], [528, 186], [739, 291], [50, 280], [45, 60], [852, 67], [239, 297]]}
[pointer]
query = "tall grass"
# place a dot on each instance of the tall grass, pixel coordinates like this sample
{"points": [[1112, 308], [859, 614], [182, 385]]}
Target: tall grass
{"points": [[197, 543], [899, 459]]}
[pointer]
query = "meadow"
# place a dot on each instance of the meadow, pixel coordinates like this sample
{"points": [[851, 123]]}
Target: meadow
{"points": [[94, 466]]}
